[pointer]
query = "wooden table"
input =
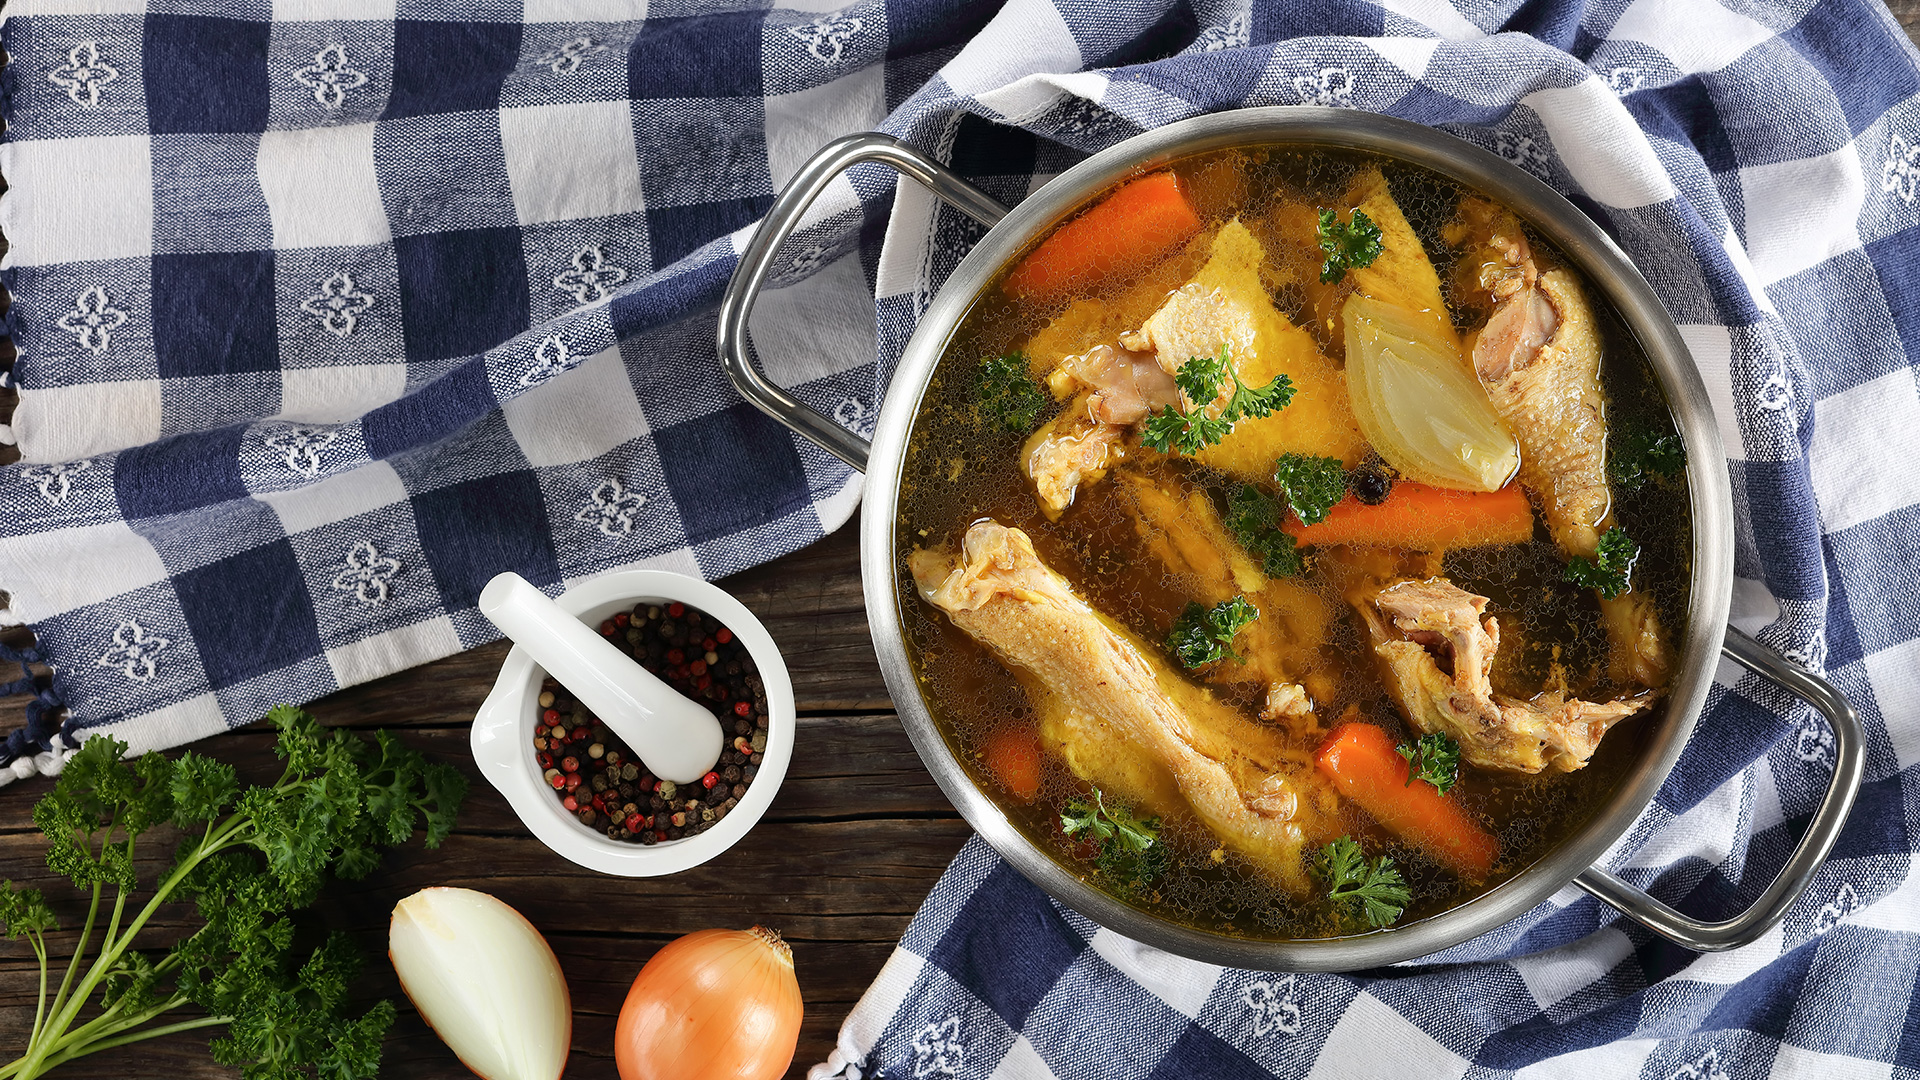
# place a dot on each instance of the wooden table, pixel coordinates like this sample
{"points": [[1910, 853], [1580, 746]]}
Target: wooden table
{"points": [[839, 864]]}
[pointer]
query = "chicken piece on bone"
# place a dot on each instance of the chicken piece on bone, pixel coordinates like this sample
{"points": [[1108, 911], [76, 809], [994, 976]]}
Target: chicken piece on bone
{"points": [[1128, 719], [1417, 625], [1114, 387], [1538, 356]]}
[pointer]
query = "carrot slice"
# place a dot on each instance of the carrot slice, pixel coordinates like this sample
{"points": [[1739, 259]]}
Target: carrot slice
{"points": [[1128, 229], [1425, 519], [1361, 761], [1013, 756]]}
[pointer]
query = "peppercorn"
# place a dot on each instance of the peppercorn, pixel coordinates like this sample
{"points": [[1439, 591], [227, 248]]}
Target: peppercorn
{"points": [[545, 699], [709, 780], [599, 781], [676, 609], [739, 791], [554, 777], [731, 773], [570, 803], [1371, 483], [755, 758], [629, 771], [597, 751], [571, 780]]}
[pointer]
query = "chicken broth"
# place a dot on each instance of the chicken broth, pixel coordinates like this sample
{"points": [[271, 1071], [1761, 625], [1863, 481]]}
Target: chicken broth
{"points": [[1231, 753]]}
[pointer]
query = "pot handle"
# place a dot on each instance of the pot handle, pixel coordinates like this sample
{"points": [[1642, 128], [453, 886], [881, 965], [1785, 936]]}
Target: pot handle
{"points": [[1849, 763], [751, 273]]}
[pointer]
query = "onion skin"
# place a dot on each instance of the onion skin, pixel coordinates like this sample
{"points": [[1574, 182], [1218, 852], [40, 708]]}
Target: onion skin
{"points": [[713, 1005], [486, 982]]}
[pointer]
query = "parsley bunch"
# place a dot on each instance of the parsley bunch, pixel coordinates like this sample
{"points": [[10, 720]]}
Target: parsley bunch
{"points": [[1352, 246], [1643, 455], [1310, 484], [1006, 393], [1611, 566], [1203, 635], [1130, 853], [1253, 517], [1201, 379], [1434, 758], [1372, 889], [247, 857]]}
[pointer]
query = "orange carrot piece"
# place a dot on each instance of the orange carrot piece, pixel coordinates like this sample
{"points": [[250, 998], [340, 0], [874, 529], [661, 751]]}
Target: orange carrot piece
{"points": [[1013, 756], [1128, 229], [1425, 519], [1361, 761]]}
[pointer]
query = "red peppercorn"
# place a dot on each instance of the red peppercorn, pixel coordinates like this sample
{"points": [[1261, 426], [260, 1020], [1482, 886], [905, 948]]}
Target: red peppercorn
{"points": [[743, 709], [709, 644], [741, 744], [676, 609], [676, 657], [556, 778], [698, 667], [661, 836], [634, 823], [572, 781], [622, 619], [579, 734], [545, 760], [550, 715], [607, 628], [709, 780], [656, 787], [570, 803], [723, 635], [723, 693], [570, 764]]}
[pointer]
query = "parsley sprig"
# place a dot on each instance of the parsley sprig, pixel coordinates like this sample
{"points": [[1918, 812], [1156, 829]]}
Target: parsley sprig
{"points": [[1643, 455], [1253, 517], [1310, 484], [1007, 395], [1200, 379], [1130, 852], [1434, 758], [1371, 888], [1202, 635], [1611, 567], [247, 859], [1352, 246]]}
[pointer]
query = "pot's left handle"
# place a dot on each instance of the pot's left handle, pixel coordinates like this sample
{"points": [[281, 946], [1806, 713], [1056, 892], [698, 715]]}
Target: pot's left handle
{"points": [[806, 185], [1849, 762]]}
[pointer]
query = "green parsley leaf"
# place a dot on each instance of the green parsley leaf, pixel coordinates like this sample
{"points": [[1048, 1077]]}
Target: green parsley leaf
{"points": [[1203, 635], [1130, 853], [1611, 567], [1434, 758], [1642, 455], [1201, 379], [1007, 395], [1311, 484], [1352, 246], [1373, 887], [1253, 517]]}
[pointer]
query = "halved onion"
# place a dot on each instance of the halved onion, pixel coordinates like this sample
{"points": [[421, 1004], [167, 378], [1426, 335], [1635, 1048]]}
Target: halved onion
{"points": [[1419, 404]]}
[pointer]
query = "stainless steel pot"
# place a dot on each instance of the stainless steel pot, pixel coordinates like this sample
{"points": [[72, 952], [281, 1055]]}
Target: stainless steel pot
{"points": [[1707, 635]]}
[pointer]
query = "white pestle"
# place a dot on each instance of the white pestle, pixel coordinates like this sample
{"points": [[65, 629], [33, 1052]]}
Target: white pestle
{"points": [[678, 739]]}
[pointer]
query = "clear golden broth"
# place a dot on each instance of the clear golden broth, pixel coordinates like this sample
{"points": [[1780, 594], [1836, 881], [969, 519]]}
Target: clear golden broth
{"points": [[957, 472]]}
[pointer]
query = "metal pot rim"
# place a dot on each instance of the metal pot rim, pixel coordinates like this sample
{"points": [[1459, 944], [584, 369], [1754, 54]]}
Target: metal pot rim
{"points": [[1610, 272]]}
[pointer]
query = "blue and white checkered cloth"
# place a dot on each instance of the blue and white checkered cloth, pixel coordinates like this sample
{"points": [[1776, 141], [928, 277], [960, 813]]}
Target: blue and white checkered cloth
{"points": [[330, 309]]}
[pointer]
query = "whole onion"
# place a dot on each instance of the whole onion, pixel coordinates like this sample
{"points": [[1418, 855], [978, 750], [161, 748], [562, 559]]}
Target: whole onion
{"points": [[713, 1005]]}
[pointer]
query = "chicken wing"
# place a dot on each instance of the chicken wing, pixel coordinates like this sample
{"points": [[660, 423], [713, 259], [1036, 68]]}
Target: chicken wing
{"points": [[1435, 623], [1538, 356], [1257, 795]]}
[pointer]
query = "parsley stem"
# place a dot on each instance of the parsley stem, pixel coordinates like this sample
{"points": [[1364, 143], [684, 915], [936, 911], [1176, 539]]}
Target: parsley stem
{"points": [[126, 1036], [39, 1006], [62, 1009]]}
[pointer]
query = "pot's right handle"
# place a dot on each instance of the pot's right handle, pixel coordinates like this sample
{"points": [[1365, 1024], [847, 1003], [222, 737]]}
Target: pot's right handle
{"points": [[806, 185], [1849, 763]]}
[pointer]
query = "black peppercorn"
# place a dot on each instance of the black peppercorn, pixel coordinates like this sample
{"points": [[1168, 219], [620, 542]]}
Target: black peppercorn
{"points": [[1371, 483]]}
